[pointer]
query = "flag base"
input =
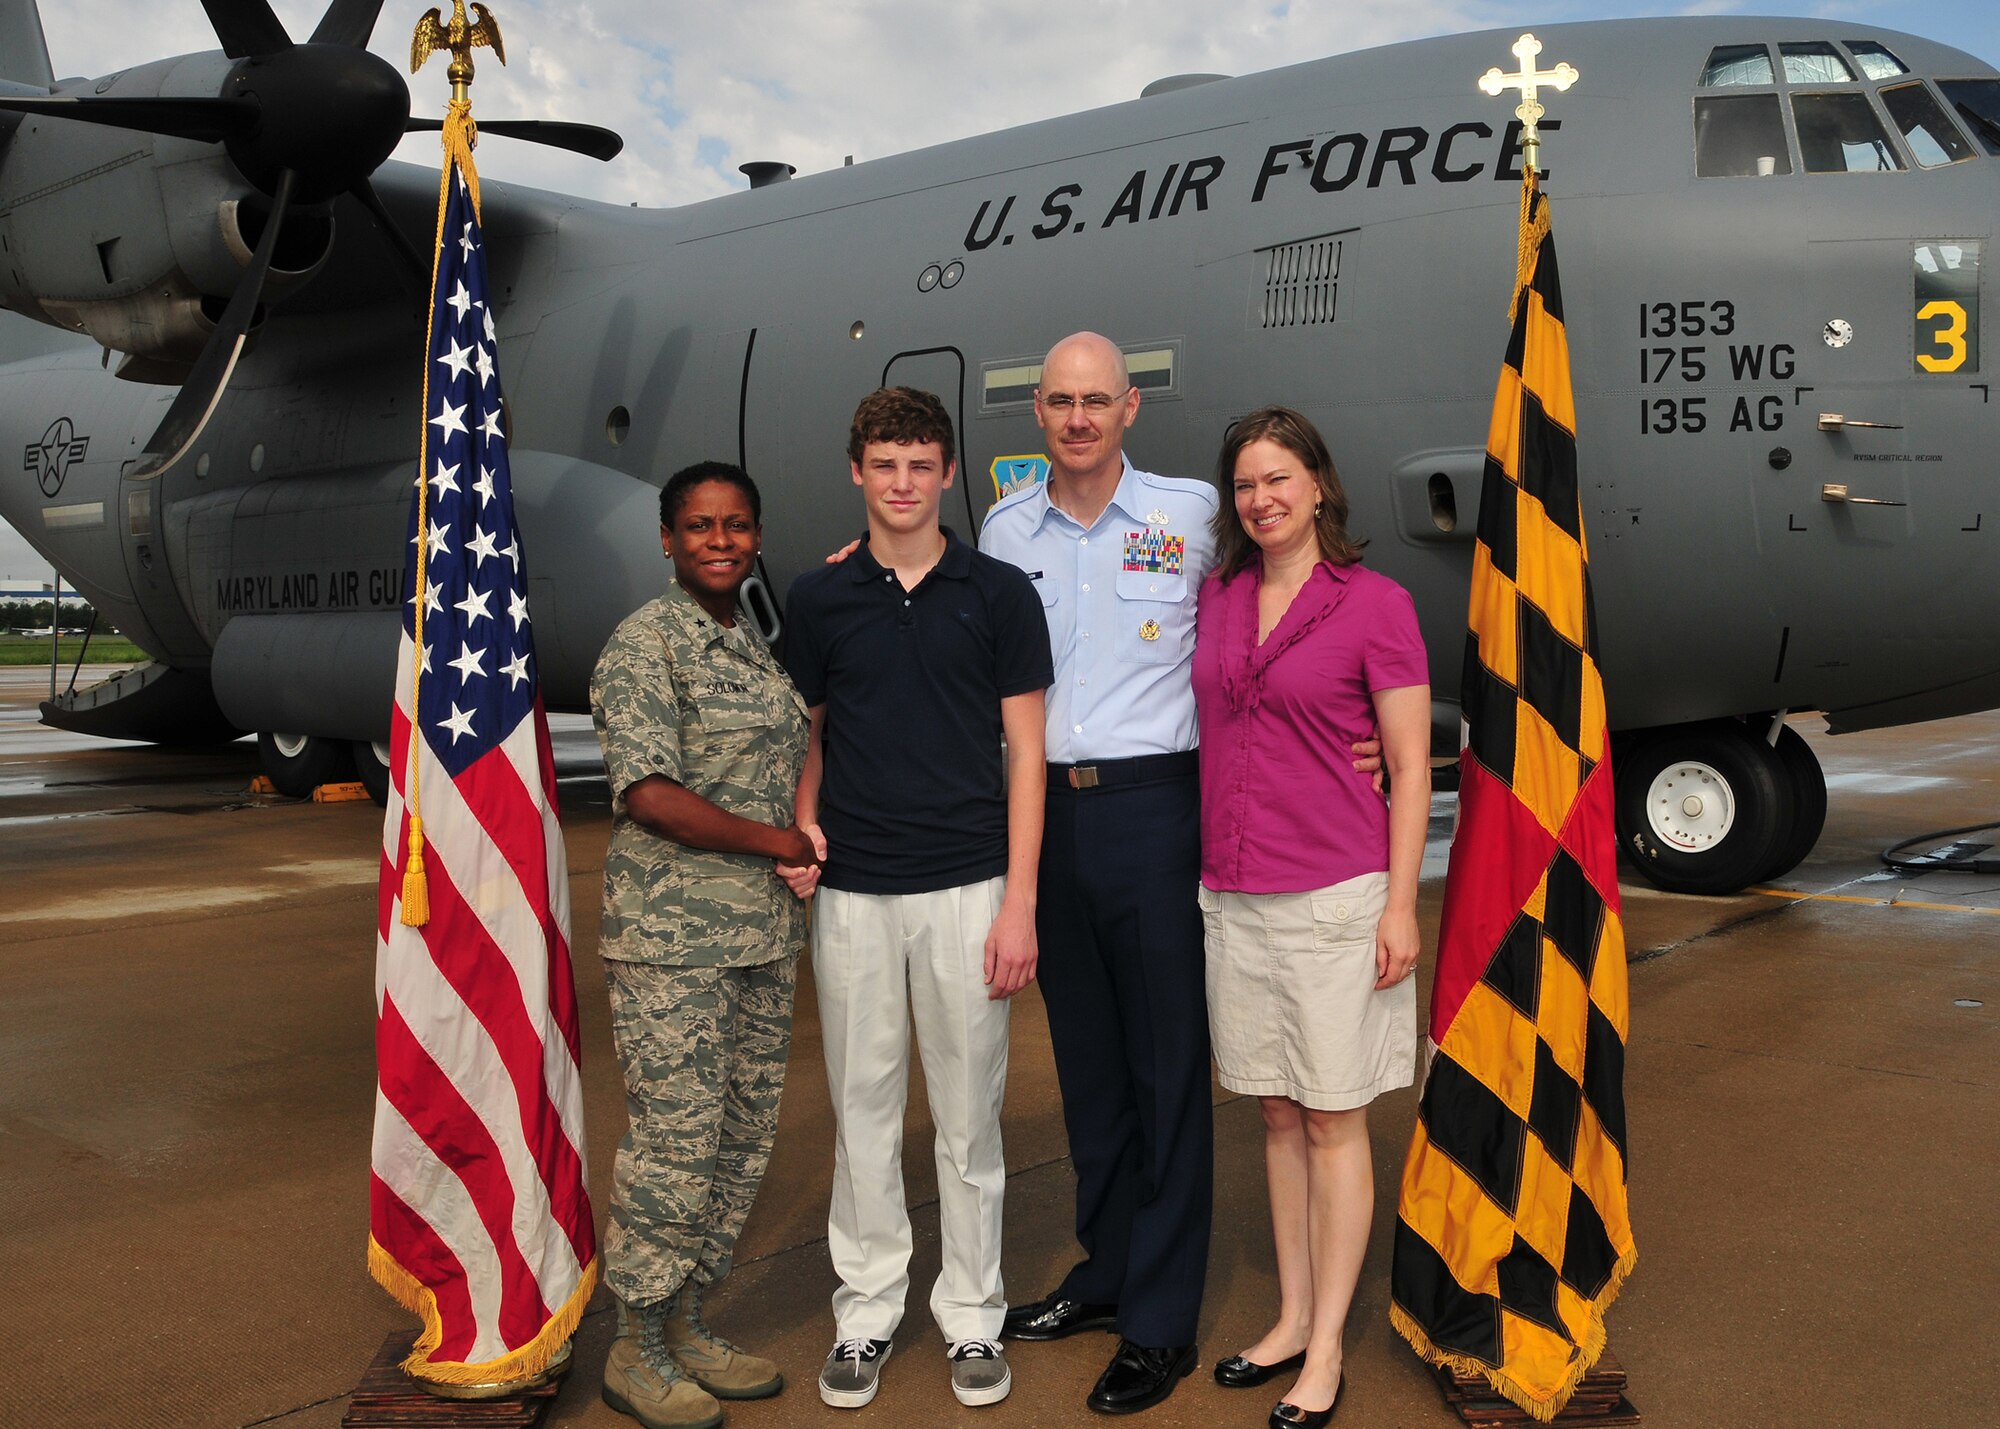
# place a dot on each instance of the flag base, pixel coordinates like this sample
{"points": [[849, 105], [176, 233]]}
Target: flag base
{"points": [[387, 1395], [1599, 1399]]}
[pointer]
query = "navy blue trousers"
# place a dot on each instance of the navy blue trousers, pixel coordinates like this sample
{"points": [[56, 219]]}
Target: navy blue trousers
{"points": [[1121, 974]]}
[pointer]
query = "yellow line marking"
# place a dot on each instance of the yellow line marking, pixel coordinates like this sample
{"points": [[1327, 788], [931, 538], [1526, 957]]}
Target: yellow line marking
{"points": [[1798, 897]]}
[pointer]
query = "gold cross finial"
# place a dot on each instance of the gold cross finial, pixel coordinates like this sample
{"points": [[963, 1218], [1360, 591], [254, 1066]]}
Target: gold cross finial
{"points": [[1530, 110]]}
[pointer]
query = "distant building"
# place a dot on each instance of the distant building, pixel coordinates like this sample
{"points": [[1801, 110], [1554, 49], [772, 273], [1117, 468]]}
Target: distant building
{"points": [[18, 588]]}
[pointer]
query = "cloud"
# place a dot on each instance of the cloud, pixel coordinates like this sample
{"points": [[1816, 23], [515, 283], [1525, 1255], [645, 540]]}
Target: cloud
{"points": [[697, 89]]}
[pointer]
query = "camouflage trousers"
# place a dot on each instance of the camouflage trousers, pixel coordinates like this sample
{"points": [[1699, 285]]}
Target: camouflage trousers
{"points": [[703, 1052]]}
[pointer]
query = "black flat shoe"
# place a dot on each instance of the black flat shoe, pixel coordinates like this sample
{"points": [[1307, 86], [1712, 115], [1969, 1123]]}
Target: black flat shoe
{"points": [[1140, 1376], [1290, 1416], [1052, 1318], [1237, 1372]]}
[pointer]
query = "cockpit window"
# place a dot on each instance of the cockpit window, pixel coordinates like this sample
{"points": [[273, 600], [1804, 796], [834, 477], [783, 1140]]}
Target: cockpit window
{"points": [[1978, 104], [1839, 134], [1814, 62], [1933, 139], [1875, 60], [1738, 64], [1739, 136]]}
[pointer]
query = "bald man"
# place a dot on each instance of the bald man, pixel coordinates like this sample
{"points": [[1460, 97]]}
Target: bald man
{"points": [[1117, 555]]}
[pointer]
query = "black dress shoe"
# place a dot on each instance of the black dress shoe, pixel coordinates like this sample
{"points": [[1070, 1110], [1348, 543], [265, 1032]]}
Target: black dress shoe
{"points": [[1139, 1377], [1290, 1416], [1237, 1372], [1052, 1317]]}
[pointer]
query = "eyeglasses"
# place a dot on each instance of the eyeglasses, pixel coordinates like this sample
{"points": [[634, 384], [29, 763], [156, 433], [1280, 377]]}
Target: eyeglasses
{"points": [[1063, 403]]}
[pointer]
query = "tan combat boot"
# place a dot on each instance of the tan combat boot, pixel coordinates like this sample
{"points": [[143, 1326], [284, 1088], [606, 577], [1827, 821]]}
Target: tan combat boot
{"points": [[711, 1361], [642, 1380]]}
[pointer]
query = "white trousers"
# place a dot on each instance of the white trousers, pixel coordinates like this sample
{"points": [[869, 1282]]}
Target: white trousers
{"points": [[878, 958]]}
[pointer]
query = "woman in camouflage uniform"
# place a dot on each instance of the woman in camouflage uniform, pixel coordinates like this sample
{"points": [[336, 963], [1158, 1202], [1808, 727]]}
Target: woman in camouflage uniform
{"points": [[703, 738]]}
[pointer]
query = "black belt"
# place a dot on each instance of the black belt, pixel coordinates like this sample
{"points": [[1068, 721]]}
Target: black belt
{"points": [[1142, 769]]}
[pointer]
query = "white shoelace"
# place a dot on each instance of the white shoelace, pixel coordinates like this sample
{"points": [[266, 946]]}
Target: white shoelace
{"points": [[973, 1350], [856, 1350]]}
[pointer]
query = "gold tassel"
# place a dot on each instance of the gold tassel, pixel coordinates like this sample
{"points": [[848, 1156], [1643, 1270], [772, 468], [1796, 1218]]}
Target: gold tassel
{"points": [[416, 891]]}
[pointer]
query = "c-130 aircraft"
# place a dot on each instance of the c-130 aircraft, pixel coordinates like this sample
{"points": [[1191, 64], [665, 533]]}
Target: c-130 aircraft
{"points": [[1774, 229]]}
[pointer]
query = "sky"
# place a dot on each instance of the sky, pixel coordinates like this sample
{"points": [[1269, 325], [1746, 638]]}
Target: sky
{"points": [[698, 88]]}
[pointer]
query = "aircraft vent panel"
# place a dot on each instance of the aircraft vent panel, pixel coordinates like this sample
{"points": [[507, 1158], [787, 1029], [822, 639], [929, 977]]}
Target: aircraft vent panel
{"points": [[1301, 283]]}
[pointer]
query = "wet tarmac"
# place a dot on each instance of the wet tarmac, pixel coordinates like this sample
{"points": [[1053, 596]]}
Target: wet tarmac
{"points": [[186, 1080]]}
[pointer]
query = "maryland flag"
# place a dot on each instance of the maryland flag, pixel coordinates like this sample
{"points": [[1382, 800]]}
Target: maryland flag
{"points": [[1511, 1234]]}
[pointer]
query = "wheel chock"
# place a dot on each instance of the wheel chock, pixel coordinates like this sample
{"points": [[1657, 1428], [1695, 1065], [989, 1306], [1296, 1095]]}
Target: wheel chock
{"points": [[344, 793]]}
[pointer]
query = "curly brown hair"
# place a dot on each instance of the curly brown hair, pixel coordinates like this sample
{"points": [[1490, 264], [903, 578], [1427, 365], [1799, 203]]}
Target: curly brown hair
{"points": [[1297, 435], [901, 414]]}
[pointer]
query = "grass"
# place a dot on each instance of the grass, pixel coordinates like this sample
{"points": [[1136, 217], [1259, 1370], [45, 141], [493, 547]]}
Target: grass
{"points": [[104, 650]]}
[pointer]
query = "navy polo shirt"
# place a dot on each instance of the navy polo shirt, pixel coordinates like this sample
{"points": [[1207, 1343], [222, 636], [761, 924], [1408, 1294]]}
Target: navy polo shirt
{"points": [[913, 792]]}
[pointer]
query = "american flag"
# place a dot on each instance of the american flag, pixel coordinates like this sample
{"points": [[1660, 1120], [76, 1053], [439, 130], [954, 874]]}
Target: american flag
{"points": [[479, 1219]]}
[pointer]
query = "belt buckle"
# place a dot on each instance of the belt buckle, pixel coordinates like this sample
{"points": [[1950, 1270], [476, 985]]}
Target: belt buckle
{"points": [[1083, 776]]}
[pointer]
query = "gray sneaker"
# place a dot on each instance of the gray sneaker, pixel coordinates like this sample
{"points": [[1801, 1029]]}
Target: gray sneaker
{"points": [[852, 1373], [979, 1371]]}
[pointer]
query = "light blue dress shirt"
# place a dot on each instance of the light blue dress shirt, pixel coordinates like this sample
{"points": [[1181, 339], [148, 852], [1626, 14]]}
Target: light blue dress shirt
{"points": [[1120, 599]]}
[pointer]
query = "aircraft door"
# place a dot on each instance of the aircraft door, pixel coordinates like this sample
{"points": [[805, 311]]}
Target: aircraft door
{"points": [[143, 512], [1880, 457], [942, 370]]}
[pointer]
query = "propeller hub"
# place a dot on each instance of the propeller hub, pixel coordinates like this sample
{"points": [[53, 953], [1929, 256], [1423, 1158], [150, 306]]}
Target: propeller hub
{"points": [[328, 112]]}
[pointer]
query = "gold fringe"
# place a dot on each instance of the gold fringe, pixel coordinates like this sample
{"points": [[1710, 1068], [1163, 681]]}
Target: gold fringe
{"points": [[416, 888], [1504, 1384], [459, 137], [523, 1364], [1533, 229]]}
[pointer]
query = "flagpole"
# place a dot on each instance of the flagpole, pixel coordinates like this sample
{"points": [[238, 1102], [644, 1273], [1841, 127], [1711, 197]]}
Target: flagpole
{"points": [[1513, 1235], [480, 1221]]}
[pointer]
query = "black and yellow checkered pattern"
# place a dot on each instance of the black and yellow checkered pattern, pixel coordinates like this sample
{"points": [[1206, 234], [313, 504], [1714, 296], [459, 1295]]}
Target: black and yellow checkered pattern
{"points": [[1512, 1235]]}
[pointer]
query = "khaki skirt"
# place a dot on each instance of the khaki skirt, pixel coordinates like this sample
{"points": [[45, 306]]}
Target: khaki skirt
{"points": [[1292, 1006]]}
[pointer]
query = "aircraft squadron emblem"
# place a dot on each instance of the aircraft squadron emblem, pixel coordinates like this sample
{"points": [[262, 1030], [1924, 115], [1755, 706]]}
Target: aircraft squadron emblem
{"points": [[50, 458]]}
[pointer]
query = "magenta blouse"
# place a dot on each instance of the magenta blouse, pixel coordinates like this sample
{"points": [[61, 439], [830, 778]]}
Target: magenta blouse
{"points": [[1282, 808]]}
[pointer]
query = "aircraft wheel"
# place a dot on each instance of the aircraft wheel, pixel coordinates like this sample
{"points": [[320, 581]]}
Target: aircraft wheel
{"points": [[1700, 808], [1802, 784], [371, 763], [297, 764]]}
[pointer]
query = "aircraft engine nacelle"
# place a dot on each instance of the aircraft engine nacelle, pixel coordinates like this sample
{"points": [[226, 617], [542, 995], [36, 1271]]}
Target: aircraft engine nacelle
{"points": [[128, 239]]}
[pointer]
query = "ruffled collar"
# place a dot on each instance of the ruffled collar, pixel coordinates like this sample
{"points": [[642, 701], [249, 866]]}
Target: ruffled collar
{"points": [[1245, 663]]}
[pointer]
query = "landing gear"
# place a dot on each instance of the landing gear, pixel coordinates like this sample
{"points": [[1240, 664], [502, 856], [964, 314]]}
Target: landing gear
{"points": [[297, 764], [1713, 808], [371, 763], [1799, 777]]}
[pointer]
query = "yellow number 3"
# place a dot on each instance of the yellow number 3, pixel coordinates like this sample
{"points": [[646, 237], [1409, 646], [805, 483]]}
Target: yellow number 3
{"points": [[1950, 335]]}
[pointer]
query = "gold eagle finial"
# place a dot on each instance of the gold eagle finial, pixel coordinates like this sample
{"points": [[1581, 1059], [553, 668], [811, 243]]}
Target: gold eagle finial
{"points": [[460, 36]]}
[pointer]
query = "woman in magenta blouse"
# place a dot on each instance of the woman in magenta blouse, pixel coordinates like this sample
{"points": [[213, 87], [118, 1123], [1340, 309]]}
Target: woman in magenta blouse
{"points": [[1309, 879]]}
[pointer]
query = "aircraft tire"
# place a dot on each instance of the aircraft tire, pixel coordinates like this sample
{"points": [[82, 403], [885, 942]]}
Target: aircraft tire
{"points": [[1802, 783], [297, 764], [1700, 807], [371, 766]]}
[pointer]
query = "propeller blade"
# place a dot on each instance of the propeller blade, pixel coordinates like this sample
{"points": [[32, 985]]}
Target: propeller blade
{"points": [[212, 370], [585, 139], [209, 121], [246, 27], [348, 22], [413, 268]]}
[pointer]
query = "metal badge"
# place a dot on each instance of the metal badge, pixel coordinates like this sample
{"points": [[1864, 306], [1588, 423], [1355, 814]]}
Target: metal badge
{"points": [[1150, 630], [1156, 517]]}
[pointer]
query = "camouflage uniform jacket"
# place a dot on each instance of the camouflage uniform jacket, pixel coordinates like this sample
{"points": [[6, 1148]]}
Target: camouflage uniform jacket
{"points": [[710, 708]]}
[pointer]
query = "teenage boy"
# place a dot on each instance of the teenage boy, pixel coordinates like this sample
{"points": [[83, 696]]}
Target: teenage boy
{"points": [[917, 655]]}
